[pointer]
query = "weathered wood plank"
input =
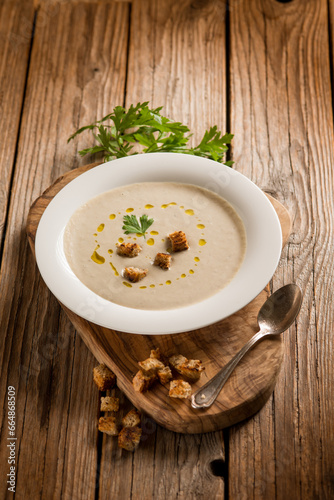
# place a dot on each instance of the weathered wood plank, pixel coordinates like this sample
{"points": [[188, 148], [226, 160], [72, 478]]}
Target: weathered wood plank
{"points": [[282, 118], [180, 62], [16, 26], [74, 76], [176, 60]]}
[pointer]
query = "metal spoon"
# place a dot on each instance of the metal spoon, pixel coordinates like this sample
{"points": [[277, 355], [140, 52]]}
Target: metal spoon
{"points": [[276, 315]]}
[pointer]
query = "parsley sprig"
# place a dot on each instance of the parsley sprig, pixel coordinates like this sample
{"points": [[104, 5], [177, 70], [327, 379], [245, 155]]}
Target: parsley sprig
{"points": [[120, 130], [131, 224]]}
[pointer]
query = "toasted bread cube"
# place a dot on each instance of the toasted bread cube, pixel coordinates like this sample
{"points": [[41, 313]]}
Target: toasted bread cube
{"points": [[131, 419], [103, 377], [143, 382], [176, 360], [134, 274], [150, 366], [108, 426], [191, 369], [178, 241], [163, 260], [156, 354], [179, 389], [109, 404], [165, 375], [128, 249], [129, 438], [188, 368]]}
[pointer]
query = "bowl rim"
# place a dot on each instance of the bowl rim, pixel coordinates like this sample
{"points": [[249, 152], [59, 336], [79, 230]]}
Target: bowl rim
{"points": [[259, 216]]}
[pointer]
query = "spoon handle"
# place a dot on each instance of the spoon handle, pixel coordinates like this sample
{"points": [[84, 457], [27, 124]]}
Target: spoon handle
{"points": [[207, 394]]}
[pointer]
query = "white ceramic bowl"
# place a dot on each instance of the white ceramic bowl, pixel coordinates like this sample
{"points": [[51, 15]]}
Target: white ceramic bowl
{"points": [[264, 242]]}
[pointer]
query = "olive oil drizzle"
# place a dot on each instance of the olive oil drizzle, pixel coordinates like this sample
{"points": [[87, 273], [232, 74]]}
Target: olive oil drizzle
{"points": [[99, 259], [114, 269]]}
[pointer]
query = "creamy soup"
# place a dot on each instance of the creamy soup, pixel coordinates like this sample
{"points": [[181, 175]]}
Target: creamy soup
{"points": [[215, 234]]}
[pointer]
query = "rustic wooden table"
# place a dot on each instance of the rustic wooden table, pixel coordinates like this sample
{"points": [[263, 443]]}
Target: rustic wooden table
{"points": [[262, 69]]}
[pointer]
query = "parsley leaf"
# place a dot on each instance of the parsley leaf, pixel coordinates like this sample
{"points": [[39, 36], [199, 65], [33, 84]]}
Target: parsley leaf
{"points": [[131, 224], [153, 132]]}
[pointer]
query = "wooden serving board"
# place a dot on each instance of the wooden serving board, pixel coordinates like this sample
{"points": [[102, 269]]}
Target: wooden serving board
{"points": [[245, 392]]}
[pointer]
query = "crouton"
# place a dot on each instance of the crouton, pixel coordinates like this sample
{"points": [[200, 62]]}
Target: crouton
{"points": [[176, 360], [142, 382], [155, 353], [108, 426], [188, 368], [103, 377], [164, 375], [163, 260], [128, 249], [150, 366], [129, 438], [109, 404], [131, 419], [178, 241], [191, 369], [179, 389], [134, 274]]}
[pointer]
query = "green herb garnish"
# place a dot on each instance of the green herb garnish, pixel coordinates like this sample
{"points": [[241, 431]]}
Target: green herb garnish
{"points": [[131, 224], [154, 132]]}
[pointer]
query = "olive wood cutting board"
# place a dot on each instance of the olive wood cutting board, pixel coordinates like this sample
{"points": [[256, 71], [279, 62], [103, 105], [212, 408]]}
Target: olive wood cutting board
{"points": [[249, 386]]}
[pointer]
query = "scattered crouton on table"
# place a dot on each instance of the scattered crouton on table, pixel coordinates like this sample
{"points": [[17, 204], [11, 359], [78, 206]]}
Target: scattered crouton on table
{"points": [[108, 426], [131, 419], [104, 378], [129, 438], [109, 403]]}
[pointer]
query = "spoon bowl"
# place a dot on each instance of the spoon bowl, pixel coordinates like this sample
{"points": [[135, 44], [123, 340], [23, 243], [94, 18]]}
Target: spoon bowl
{"points": [[280, 310]]}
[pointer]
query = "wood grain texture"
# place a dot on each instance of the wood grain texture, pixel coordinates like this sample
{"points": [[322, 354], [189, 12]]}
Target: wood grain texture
{"points": [[180, 61], [166, 464], [73, 76], [245, 392], [16, 27], [282, 116], [281, 113]]}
